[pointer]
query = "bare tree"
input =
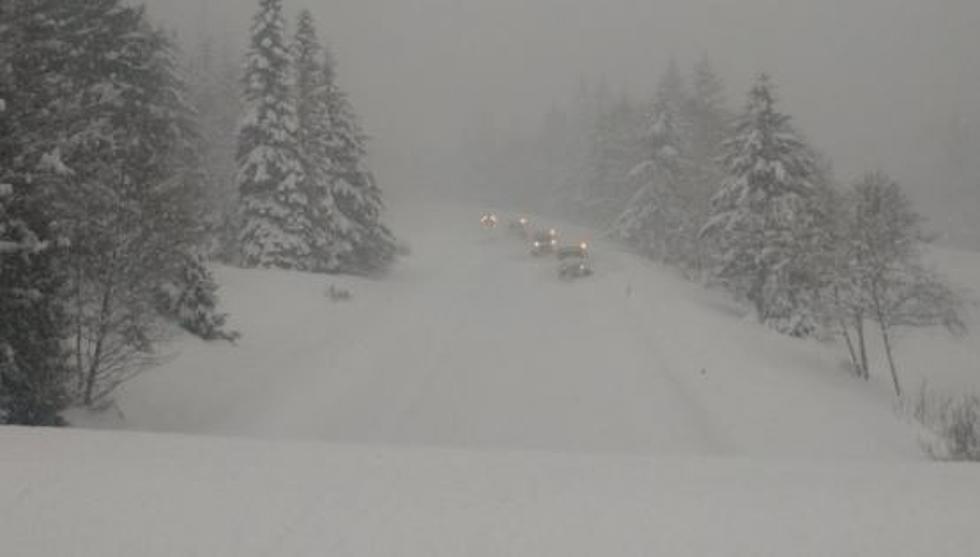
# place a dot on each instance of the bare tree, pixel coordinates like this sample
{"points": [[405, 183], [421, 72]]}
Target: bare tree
{"points": [[880, 275]]}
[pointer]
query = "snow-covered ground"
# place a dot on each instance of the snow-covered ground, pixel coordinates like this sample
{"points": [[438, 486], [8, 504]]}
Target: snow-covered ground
{"points": [[472, 343], [70, 493], [473, 404], [943, 363]]}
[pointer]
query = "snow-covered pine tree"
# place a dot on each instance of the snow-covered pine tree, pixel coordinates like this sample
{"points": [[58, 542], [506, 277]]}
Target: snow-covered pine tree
{"points": [[33, 364], [655, 221], [616, 147], [705, 113], [178, 223], [276, 227], [191, 298], [707, 124], [112, 146], [332, 230], [214, 88], [362, 242], [764, 211], [672, 89]]}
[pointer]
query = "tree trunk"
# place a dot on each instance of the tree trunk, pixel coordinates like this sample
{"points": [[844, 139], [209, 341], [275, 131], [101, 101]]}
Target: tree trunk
{"points": [[105, 314], [891, 360], [882, 320], [755, 295], [79, 329], [863, 347], [850, 348]]}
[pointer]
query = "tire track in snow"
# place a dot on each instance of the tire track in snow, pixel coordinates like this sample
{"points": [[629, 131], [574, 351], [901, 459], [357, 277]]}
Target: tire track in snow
{"points": [[654, 367], [651, 332]]}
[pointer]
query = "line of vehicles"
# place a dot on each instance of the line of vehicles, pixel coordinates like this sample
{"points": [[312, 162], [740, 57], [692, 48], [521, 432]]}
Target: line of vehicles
{"points": [[573, 259]]}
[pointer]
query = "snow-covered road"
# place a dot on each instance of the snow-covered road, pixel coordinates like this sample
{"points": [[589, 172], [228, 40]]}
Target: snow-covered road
{"points": [[473, 343], [482, 345]]}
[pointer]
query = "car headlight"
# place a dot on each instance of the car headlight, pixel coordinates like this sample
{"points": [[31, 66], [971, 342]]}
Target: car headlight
{"points": [[584, 246], [537, 244]]}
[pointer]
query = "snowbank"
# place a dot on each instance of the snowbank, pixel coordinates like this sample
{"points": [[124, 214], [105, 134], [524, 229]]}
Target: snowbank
{"points": [[118, 494]]}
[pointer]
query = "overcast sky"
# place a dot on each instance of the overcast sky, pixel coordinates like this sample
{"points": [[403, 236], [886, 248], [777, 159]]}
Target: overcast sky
{"points": [[874, 83]]}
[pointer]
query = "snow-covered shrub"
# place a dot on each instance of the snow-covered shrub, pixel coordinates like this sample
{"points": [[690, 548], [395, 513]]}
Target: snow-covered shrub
{"points": [[191, 299], [952, 421], [338, 294], [956, 424]]}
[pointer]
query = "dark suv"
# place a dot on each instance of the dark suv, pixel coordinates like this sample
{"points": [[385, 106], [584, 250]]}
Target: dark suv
{"points": [[573, 261]]}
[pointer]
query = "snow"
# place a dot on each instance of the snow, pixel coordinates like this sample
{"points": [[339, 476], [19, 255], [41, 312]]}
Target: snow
{"points": [[122, 494], [471, 403], [472, 343], [945, 364]]}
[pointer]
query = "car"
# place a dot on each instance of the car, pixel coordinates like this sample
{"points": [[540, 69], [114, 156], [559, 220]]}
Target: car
{"points": [[488, 221], [521, 227], [544, 242], [573, 261]]}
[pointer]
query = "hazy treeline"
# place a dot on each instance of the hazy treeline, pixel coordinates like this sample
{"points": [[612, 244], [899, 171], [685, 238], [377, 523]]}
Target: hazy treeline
{"points": [[738, 198]]}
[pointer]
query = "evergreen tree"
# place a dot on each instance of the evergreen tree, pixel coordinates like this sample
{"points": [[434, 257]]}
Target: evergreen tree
{"points": [[277, 230], [331, 241], [364, 244], [33, 365], [655, 220], [705, 113], [764, 214], [616, 147], [190, 298], [111, 145], [214, 87], [707, 122], [672, 89]]}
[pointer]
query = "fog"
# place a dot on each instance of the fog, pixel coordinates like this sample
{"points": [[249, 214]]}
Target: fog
{"points": [[890, 84]]}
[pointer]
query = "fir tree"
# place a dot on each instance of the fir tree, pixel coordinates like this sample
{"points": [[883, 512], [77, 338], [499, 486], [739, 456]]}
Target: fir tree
{"points": [[616, 147], [190, 298], [315, 95], [361, 241], [214, 87], [277, 230], [705, 113], [112, 145], [707, 122], [33, 365], [763, 212], [655, 220], [672, 89]]}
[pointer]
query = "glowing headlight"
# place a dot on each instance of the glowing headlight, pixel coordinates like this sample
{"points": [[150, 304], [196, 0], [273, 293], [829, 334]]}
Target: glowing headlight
{"points": [[537, 244], [523, 221], [584, 246]]}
